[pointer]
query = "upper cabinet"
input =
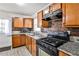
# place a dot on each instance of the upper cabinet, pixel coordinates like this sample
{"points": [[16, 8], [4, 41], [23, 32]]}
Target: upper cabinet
{"points": [[42, 23], [39, 18], [22, 22], [70, 14], [54, 7], [17, 22], [45, 24], [28, 22]]}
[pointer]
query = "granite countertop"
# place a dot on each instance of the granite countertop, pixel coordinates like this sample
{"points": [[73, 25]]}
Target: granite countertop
{"points": [[31, 35], [71, 48]]}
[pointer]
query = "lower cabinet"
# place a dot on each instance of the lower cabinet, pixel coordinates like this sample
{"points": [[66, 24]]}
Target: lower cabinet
{"points": [[31, 45], [34, 48], [29, 42], [22, 39], [18, 40]]}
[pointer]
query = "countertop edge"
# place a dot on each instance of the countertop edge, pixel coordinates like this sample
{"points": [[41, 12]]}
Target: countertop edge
{"points": [[35, 37], [66, 52]]}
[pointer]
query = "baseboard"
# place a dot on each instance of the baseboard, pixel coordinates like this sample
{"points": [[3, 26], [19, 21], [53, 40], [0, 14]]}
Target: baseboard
{"points": [[5, 48]]}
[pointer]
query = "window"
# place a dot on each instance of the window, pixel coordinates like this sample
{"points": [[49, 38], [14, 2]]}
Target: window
{"points": [[4, 26]]}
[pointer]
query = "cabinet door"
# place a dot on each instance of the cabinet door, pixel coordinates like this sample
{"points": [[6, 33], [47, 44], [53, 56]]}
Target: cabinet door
{"points": [[22, 39], [71, 14], [15, 40], [45, 24], [30, 44], [28, 22], [26, 41], [34, 49], [39, 18], [17, 22]]}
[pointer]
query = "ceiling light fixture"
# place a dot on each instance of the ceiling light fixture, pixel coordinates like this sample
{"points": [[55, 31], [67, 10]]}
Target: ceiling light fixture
{"points": [[20, 4]]}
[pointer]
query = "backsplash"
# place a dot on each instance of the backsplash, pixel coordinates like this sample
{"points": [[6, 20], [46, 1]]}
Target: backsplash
{"points": [[55, 26], [22, 29]]}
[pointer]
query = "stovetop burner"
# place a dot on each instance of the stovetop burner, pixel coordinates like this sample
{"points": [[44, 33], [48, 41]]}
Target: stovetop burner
{"points": [[53, 41]]}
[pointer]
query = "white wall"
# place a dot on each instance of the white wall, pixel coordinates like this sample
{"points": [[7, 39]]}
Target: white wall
{"points": [[10, 15]]}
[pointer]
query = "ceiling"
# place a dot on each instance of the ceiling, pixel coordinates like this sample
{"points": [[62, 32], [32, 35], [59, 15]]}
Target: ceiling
{"points": [[27, 9]]}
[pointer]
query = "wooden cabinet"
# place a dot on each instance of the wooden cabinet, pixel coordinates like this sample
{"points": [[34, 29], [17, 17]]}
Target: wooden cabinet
{"points": [[22, 22], [70, 14], [31, 45], [41, 22], [17, 22], [45, 24], [54, 7], [27, 42], [62, 54], [28, 22], [23, 39], [18, 40], [39, 18], [15, 41], [34, 48]]}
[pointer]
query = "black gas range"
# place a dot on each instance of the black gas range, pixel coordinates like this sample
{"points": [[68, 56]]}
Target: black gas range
{"points": [[52, 42]]}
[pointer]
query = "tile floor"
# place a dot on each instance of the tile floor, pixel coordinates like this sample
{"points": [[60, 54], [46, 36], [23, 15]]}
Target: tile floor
{"points": [[20, 51]]}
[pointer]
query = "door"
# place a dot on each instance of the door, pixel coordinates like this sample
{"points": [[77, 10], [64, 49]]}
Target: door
{"points": [[42, 53], [15, 40]]}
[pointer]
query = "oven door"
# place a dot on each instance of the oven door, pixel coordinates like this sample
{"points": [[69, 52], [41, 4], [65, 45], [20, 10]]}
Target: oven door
{"points": [[43, 51]]}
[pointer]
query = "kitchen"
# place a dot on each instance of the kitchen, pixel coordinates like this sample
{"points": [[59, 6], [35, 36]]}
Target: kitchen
{"points": [[42, 29]]}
